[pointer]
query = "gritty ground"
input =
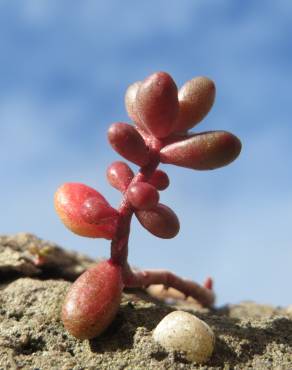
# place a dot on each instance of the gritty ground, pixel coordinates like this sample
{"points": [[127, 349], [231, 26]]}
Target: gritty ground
{"points": [[248, 336]]}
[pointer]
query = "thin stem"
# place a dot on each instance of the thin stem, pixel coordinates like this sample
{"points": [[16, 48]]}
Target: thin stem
{"points": [[142, 279], [119, 245]]}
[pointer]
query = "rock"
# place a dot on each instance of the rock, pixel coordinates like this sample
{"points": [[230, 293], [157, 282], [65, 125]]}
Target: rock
{"points": [[289, 309], [183, 332], [248, 336], [24, 254]]}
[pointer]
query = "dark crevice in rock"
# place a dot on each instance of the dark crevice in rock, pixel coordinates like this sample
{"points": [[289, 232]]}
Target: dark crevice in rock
{"points": [[33, 345], [159, 355]]}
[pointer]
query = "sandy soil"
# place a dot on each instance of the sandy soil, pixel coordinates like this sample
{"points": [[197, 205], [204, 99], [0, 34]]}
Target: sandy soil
{"points": [[248, 335]]}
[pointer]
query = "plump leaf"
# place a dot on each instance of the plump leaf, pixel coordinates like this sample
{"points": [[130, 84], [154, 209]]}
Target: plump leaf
{"points": [[119, 175], [157, 104], [85, 211], [130, 101], [196, 98], [94, 211], [159, 179], [143, 195], [204, 151], [127, 141], [93, 300], [160, 221]]}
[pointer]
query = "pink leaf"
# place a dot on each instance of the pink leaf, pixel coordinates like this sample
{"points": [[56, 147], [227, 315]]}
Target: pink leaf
{"points": [[77, 205], [119, 175]]}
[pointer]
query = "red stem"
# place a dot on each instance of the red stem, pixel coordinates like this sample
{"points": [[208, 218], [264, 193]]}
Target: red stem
{"points": [[119, 245], [202, 294]]}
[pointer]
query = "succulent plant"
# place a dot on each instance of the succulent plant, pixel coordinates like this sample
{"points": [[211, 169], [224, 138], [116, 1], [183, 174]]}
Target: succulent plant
{"points": [[162, 117]]}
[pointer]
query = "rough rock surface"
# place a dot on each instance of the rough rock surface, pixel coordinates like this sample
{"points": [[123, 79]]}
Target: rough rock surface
{"points": [[34, 278]]}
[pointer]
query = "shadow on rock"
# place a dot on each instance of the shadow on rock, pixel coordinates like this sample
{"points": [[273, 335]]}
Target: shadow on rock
{"points": [[238, 343], [121, 333]]}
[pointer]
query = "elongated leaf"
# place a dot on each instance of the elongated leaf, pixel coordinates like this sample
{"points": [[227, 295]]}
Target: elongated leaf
{"points": [[157, 104], [130, 101], [93, 300], [127, 141], [160, 221], [204, 151], [196, 98]]}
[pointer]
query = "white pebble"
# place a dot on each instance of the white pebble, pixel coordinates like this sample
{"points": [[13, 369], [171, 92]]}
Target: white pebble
{"points": [[182, 331]]}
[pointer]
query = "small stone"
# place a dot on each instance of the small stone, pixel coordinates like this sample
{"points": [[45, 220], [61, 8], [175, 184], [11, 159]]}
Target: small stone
{"points": [[184, 332]]}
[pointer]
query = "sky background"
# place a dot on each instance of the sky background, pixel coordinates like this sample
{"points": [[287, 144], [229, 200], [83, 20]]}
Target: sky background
{"points": [[64, 69]]}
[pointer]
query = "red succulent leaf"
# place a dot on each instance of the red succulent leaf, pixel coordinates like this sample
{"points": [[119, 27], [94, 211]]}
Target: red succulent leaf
{"points": [[143, 195], [119, 175], [157, 104], [204, 151], [93, 300], [95, 211], [127, 141], [196, 98], [85, 211], [130, 101], [160, 221], [159, 179]]}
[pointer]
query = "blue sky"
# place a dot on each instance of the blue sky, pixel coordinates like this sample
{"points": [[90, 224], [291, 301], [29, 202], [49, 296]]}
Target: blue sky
{"points": [[64, 68]]}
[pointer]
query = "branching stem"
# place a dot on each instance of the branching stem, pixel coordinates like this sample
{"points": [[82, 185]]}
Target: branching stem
{"points": [[119, 246], [203, 294]]}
